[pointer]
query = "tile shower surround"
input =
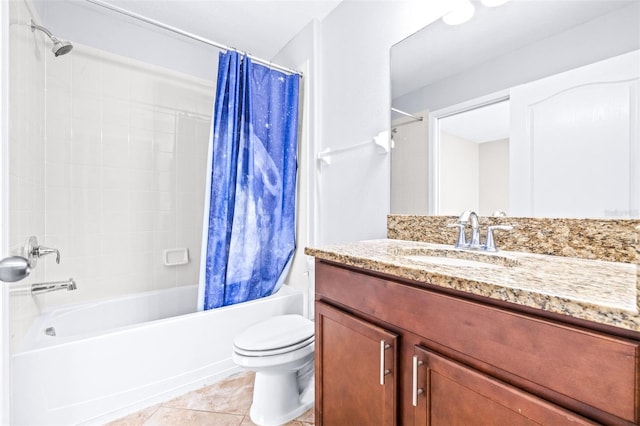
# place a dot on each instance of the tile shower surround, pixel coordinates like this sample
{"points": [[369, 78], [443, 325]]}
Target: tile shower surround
{"points": [[26, 149], [113, 167]]}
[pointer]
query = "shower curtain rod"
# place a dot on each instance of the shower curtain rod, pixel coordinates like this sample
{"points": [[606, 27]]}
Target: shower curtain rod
{"points": [[415, 117], [190, 35]]}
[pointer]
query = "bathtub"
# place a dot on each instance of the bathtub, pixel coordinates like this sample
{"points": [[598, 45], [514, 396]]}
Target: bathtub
{"points": [[95, 362]]}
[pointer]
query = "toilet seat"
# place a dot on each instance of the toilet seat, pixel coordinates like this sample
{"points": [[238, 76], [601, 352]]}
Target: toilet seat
{"points": [[275, 336], [281, 352], [277, 351]]}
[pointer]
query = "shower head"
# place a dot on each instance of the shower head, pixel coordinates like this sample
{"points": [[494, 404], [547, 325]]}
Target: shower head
{"points": [[60, 47]]}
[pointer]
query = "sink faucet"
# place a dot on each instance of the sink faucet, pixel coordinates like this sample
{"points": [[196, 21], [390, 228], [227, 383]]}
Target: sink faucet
{"points": [[471, 217], [466, 217], [474, 243]]}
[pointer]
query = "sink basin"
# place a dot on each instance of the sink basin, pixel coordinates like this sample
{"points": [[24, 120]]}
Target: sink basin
{"points": [[450, 261], [456, 258]]}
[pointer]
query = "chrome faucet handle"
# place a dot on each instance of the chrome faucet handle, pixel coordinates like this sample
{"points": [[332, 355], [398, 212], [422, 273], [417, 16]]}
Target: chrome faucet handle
{"points": [[33, 251], [461, 242], [43, 251], [490, 244]]}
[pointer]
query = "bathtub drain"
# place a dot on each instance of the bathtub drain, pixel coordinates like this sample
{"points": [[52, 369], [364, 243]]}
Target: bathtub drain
{"points": [[50, 331]]}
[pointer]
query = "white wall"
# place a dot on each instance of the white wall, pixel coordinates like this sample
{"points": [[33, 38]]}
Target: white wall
{"points": [[26, 151], [493, 177], [355, 106], [5, 379], [23, 140], [459, 175], [410, 165], [300, 54]]}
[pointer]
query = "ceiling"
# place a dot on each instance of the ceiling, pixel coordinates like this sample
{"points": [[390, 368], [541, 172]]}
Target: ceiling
{"points": [[259, 27], [428, 56], [484, 124]]}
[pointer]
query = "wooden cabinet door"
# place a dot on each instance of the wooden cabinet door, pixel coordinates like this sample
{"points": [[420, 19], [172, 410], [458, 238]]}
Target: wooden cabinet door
{"points": [[356, 370], [448, 393]]}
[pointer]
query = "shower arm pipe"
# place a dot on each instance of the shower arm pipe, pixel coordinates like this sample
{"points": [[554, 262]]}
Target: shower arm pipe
{"points": [[191, 35], [406, 114]]}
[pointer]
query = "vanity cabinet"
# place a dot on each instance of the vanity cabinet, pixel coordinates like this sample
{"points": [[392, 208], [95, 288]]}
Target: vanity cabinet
{"points": [[358, 359], [469, 360]]}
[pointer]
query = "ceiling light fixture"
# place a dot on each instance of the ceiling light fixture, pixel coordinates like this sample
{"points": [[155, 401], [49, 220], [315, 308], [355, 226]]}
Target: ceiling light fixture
{"points": [[493, 3], [462, 12]]}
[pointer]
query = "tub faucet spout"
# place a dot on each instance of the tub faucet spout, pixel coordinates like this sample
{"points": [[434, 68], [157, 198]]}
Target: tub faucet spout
{"points": [[39, 288]]}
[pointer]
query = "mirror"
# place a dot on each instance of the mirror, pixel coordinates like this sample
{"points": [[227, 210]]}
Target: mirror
{"points": [[528, 108]]}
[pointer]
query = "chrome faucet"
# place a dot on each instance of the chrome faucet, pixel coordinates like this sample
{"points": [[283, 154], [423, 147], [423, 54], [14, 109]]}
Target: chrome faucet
{"points": [[474, 243], [39, 288], [464, 218], [33, 251], [471, 217]]}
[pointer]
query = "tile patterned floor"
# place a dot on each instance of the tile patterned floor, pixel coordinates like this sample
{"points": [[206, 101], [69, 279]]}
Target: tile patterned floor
{"points": [[225, 403]]}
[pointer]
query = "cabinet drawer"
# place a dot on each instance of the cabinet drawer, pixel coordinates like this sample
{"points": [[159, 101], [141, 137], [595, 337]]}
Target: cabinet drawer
{"points": [[589, 372]]}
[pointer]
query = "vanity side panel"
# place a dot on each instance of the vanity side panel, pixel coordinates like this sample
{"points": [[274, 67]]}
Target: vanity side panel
{"points": [[589, 372]]}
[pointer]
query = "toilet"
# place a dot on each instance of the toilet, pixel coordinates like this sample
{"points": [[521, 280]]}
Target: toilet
{"points": [[281, 352]]}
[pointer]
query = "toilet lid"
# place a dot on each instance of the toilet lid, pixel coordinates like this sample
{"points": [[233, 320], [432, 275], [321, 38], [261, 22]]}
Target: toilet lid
{"points": [[279, 332]]}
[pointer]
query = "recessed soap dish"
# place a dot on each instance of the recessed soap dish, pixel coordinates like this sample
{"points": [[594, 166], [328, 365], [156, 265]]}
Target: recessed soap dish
{"points": [[176, 256]]}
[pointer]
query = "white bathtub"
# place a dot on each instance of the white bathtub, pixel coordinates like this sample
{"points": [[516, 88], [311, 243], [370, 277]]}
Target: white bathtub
{"points": [[113, 357]]}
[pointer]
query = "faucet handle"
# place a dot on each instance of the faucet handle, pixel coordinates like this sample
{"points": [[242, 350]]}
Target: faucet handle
{"points": [[461, 242], [41, 251], [490, 244], [33, 251]]}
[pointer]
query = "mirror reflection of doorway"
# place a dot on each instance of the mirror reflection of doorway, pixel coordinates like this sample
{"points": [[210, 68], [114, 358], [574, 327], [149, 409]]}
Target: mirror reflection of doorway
{"points": [[474, 160], [409, 164]]}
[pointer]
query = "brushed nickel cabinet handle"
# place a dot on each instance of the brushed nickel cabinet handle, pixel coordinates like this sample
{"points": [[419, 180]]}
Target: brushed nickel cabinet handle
{"points": [[383, 372], [416, 391]]}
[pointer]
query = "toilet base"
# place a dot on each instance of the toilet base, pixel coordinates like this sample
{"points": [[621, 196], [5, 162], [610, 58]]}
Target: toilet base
{"points": [[277, 399]]}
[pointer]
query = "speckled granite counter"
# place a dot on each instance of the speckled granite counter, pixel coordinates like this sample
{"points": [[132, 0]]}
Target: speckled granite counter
{"points": [[613, 240], [600, 291]]}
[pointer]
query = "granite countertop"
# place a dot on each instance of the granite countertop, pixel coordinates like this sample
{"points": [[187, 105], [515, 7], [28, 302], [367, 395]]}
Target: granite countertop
{"points": [[600, 291]]}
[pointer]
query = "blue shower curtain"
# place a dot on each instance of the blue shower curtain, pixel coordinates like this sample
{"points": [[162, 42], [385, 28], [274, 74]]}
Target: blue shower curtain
{"points": [[251, 227]]}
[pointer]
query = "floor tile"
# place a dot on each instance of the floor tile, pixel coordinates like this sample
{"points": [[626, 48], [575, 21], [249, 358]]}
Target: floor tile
{"points": [[307, 419], [225, 403], [165, 416], [137, 418], [233, 395]]}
